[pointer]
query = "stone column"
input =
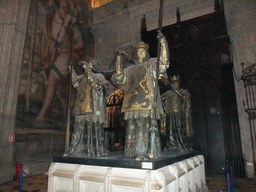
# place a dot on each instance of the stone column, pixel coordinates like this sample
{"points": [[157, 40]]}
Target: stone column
{"points": [[241, 27], [13, 24]]}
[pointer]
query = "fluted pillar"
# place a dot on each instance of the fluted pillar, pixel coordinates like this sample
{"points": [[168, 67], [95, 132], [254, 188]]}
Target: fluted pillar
{"points": [[13, 24]]}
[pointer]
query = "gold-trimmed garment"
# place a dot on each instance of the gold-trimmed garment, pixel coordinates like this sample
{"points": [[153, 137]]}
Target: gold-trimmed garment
{"points": [[137, 90]]}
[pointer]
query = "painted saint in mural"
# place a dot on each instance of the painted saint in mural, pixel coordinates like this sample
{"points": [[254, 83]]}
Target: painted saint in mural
{"points": [[63, 40]]}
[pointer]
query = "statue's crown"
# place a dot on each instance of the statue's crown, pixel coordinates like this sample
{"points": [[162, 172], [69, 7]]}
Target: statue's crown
{"points": [[141, 45], [175, 78], [94, 62]]}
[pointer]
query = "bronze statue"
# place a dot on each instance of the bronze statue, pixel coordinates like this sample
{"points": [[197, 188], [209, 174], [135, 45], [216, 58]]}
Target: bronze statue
{"points": [[139, 83], [177, 108], [90, 112]]}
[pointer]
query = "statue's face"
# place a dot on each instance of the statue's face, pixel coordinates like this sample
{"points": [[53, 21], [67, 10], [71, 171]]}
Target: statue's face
{"points": [[175, 85], [141, 53], [63, 5]]}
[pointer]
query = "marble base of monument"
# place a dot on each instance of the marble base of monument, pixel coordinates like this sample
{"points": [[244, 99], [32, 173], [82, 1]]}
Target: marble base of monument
{"points": [[181, 173]]}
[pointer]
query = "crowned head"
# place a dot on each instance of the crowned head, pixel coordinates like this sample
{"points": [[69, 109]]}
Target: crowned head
{"points": [[175, 79], [141, 52], [141, 44]]}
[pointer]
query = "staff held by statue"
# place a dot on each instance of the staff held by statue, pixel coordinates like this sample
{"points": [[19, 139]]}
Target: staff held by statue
{"points": [[154, 122]]}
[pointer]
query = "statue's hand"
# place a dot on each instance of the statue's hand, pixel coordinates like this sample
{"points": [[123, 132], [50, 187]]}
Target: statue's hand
{"points": [[84, 64], [70, 65], [81, 63], [119, 65], [68, 20], [119, 52], [160, 35]]}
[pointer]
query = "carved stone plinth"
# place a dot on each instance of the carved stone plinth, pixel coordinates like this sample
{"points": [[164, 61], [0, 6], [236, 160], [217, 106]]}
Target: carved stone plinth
{"points": [[185, 175]]}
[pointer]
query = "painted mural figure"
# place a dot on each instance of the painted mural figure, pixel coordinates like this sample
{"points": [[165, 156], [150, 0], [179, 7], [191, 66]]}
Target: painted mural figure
{"points": [[61, 29], [177, 108], [139, 83], [89, 111]]}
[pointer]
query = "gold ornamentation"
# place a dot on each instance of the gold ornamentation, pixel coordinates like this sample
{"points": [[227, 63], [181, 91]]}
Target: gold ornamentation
{"points": [[135, 106], [144, 85], [139, 158], [151, 156], [86, 105], [175, 78], [141, 45], [93, 60]]}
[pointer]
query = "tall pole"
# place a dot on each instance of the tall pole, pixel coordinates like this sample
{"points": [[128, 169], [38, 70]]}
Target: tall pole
{"points": [[31, 56], [160, 21], [71, 62], [154, 127]]}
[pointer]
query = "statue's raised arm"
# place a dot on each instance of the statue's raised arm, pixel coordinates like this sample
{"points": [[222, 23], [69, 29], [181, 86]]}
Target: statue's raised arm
{"points": [[164, 55]]}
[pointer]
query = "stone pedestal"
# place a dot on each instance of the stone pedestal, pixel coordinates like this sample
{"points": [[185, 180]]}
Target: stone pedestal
{"points": [[35, 148], [187, 174]]}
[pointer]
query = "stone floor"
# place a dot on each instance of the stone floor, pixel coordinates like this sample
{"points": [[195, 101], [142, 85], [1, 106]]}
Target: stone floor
{"points": [[39, 184], [218, 183], [36, 183]]}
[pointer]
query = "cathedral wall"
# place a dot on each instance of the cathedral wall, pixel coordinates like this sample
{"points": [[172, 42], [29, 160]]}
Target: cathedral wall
{"points": [[117, 23], [13, 22], [241, 27]]}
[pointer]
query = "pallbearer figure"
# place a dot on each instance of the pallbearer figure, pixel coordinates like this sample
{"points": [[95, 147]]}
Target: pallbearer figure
{"points": [[177, 108], [90, 112]]}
